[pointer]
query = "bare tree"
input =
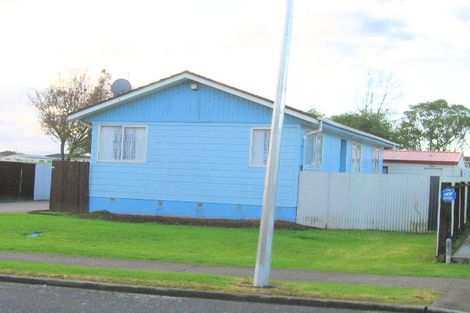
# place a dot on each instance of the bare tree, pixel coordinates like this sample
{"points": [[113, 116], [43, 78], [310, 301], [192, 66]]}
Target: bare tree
{"points": [[373, 114], [60, 99], [381, 89]]}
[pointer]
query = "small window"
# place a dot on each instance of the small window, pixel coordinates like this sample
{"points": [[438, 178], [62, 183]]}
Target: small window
{"points": [[259, 147], [376, 160], [356, 157], [313, 150], [122, 143]]}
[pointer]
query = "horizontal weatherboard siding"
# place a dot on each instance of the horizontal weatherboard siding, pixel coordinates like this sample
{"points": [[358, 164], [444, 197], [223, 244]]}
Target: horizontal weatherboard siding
{"points": [[198, 150], [197, 161]]}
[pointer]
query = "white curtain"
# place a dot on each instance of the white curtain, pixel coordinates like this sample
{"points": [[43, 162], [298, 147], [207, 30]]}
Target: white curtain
{"points": [[356, 156], [313, 150], [134, 147], [110, 143], [308, 150], [317, 150], [260, 147], [376, 160]]}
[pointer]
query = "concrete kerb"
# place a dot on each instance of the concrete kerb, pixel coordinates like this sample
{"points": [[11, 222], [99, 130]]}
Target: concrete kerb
{"points": [[220, 295]]}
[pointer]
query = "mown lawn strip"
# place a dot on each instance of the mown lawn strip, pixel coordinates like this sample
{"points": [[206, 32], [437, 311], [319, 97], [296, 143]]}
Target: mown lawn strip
{"points": [[371, 252], [377, 294]]}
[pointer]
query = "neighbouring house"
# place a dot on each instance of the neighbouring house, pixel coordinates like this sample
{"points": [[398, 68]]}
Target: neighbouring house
{"points": [[432, 163], [25, 158], [191, 146], [80, 158]]}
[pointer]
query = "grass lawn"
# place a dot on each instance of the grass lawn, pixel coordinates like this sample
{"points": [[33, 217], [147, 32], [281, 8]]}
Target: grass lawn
{"points": [[226, 284], [327, 250]]}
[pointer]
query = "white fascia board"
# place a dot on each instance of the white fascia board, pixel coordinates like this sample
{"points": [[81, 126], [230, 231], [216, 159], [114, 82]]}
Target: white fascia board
{"points": [[173, 80], [359, 132]]}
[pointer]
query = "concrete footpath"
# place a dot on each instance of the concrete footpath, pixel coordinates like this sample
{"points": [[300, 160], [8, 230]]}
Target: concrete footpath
{"points": [[23, 206], [457, 291]]}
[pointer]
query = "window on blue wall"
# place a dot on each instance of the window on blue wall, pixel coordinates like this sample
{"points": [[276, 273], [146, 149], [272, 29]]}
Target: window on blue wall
{"points": [[356, 157], [259, 146], [122, 143], [376, 160], [313, 150]]}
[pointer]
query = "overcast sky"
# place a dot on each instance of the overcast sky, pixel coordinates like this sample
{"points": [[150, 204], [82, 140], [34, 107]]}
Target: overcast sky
{"points": [[425, 45]]}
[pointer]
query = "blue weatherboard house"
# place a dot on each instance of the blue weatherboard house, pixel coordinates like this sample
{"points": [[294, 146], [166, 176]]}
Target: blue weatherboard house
{"points": [[190, 146]]}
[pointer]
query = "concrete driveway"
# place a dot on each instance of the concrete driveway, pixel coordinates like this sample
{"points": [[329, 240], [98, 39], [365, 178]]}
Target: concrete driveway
{"points": [[23, 206]]}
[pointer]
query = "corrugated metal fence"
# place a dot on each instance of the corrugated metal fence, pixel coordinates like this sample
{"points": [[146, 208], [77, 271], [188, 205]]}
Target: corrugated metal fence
{"points": [[365, 201]]}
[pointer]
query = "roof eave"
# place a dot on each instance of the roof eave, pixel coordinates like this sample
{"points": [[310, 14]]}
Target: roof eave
{"points": [[387, 143]]}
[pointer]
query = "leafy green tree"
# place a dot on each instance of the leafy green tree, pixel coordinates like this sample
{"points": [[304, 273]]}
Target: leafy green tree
{"points": [[375, 123], [434, 126], [60, 99], [315, 112]]}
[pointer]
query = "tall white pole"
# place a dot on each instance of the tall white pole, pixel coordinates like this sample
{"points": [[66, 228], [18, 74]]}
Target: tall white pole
{"points": [[263, 260]]}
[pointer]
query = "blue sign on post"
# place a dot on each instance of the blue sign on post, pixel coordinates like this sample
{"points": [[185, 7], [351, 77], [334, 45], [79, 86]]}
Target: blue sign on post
{"points": [[448, 195]]}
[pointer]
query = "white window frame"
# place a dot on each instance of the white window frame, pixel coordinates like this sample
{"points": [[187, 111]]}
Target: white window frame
{"points": [[122, 126], [312, 166], [250, 160], [376, 159], [356, 163]]}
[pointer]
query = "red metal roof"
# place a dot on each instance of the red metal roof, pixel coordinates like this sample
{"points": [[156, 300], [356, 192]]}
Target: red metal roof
{"points": [[429, 157]]}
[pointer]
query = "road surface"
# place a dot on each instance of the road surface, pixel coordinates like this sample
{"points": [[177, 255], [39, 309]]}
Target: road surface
{"points": [[23, 298]]}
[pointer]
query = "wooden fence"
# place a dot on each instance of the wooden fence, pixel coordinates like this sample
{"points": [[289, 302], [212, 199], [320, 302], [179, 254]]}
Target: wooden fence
{"points": [[70, 186], [368, 201], [16, 181], [453, 216]]}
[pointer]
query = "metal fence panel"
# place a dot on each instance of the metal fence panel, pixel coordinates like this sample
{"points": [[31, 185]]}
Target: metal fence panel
{"points": [[364, 201], [42, 181]]}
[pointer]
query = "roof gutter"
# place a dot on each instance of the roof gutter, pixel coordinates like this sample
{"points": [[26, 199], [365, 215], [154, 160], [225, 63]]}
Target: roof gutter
{"points": [[319, 130]]}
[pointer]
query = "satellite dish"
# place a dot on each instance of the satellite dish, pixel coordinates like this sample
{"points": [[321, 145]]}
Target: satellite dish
{"points": [[120, 86]]}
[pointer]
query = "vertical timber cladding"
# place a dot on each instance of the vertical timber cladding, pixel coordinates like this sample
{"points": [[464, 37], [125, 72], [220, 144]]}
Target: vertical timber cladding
{"points": [[17, 180], [456, 211], [445, 224], [70, 186], [433, 202], [462, 208], [467, 209]]}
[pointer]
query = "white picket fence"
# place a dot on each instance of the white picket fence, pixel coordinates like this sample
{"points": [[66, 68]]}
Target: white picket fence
{"points": [[364, 201]]}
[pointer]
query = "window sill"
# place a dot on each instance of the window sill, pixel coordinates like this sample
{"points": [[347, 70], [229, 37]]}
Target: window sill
{"points": [[312, 168], [257, 166], [121, 161]]}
